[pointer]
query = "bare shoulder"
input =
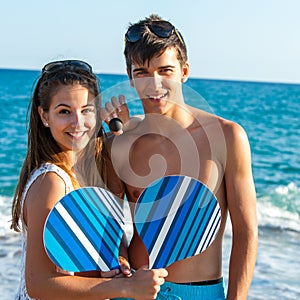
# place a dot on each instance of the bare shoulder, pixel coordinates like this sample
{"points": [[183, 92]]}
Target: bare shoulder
{"points": [[232, 131], [212, 123], [47, 189], [235, 136]]}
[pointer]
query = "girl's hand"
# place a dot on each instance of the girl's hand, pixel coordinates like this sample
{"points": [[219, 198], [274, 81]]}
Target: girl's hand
{"points": [[145, 283], [110, 274]]}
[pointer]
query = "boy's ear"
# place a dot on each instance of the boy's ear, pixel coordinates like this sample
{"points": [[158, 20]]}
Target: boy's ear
{"points": [[130, 77], [185, 72]]}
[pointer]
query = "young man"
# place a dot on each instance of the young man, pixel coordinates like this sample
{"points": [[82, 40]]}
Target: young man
{"points": [[175, 138]]}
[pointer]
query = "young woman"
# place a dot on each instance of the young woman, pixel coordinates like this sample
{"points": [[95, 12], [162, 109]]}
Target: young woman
{"points": [[64, 153]]}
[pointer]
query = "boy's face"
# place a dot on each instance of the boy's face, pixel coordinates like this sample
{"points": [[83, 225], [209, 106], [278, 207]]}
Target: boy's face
{"points": [[158, 81]]}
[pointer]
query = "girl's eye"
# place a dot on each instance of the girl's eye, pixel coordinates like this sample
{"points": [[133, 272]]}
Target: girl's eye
{"points": [[64, 112]]}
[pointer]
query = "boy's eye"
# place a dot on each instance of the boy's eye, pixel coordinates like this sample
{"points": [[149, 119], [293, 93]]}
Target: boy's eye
{"points": [[167, 70], [140, 73], [88, 110]]}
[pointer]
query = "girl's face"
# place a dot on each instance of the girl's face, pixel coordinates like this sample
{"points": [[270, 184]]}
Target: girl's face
{"points": [[71, 117]]}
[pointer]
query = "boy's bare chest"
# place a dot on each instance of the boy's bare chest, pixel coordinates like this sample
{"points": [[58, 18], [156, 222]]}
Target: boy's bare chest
{"points": [[150, 159]]}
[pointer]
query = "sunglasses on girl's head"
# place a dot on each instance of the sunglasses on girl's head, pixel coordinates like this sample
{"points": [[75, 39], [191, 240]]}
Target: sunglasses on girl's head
{"points": [[162, 29], [70, 64]]}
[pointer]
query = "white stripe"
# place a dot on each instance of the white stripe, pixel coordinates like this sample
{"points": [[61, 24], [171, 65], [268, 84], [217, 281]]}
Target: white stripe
{"points": [[203, 243], [105, 196], [81, 236], [166, 226], [214, 224]]}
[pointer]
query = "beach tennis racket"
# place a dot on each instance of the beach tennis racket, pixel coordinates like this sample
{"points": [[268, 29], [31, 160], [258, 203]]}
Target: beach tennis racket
{"points": [[176, 217], [84, 229]]}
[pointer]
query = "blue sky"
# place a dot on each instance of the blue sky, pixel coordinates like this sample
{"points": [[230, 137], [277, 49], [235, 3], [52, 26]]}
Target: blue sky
{"points": [[227, 39]]}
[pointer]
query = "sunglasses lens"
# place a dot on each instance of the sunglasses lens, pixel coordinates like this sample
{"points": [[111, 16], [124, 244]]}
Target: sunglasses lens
{"points": [[52, 67], [134, 33], [81, 65], [162, 29], [71, 64]]}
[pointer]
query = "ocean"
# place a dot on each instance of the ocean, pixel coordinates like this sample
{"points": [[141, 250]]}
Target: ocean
{"points": [[269, 113]]}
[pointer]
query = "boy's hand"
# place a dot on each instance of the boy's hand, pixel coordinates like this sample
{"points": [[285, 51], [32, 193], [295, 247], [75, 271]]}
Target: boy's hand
{"points": [[117, 108]]}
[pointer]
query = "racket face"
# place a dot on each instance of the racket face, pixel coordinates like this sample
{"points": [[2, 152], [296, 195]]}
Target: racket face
{"points": [[176, 217], [84, 229]]}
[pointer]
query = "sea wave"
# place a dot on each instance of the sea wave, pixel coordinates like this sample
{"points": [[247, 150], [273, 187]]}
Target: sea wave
{"points": [[280, 208], [5, 215]]}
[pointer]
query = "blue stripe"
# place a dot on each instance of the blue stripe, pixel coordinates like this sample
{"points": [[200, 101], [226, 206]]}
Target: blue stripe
{"points": [[108, 230], [55, 249], [69, 243], [113, 203], [92, 222], [143, 215], [101, 207], [206, 215], [213, 229], [192, 216], [189, 246], [103, 232], [179, 228], [159, 212], [84, 218], [95, 226], [185, 221], [164, 197]]}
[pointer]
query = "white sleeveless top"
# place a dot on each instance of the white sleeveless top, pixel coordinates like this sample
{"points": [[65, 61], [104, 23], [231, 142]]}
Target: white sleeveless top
{"points": [[44, 168]]}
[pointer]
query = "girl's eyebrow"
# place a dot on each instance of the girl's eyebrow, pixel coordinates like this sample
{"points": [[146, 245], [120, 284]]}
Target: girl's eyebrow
{"points": [[66, 105]]}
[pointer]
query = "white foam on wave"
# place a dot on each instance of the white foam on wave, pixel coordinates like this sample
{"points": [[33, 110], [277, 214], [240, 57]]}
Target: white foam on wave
{"points": [[280, 208], [5, 215], [291, 188]]}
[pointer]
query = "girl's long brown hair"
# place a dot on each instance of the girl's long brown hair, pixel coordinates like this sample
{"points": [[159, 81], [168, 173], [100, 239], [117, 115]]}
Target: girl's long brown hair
{"points": [[43, 148]]}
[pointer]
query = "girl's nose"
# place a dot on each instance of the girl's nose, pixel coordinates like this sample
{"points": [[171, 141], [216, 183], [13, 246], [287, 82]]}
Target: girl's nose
{"points": [[77, 119]]}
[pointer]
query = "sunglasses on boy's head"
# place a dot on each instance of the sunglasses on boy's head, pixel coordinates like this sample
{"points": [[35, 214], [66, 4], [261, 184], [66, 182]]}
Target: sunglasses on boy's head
{"points": [[162, 29], [78, 65]]}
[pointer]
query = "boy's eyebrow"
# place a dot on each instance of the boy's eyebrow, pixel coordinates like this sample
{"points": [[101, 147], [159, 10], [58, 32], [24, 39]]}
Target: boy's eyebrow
{"points": [[161, 67], [138, 69]]}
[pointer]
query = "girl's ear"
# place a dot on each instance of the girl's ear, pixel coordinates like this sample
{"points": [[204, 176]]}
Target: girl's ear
{"points": [[185, 72], [43, 116]]}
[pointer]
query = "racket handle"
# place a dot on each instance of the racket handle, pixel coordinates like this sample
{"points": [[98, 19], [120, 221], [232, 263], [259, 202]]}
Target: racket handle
{"points": [[116, 126]]}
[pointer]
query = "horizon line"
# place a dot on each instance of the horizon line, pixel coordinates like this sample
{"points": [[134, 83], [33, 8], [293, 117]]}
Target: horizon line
{"points": [[97, 72]]}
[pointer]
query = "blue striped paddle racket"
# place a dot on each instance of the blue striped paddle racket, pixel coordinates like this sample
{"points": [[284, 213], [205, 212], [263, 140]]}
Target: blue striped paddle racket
{"points": [[84, 229], [176, 217]]}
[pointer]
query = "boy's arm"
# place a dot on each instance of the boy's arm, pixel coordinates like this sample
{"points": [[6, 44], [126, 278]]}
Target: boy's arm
{"points": [[241, 198]]}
